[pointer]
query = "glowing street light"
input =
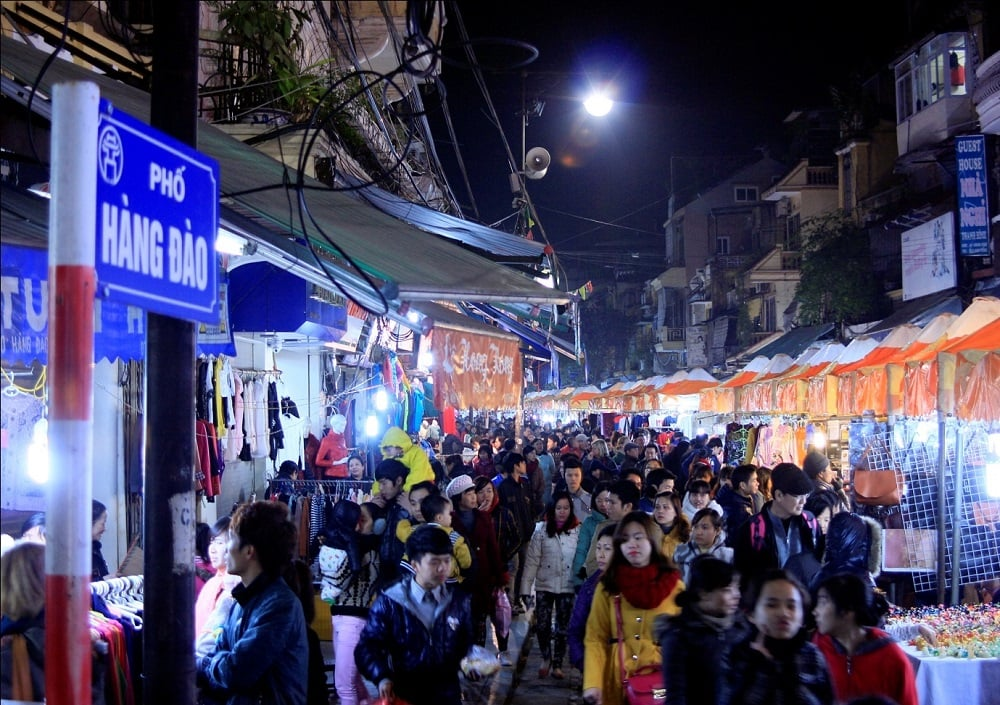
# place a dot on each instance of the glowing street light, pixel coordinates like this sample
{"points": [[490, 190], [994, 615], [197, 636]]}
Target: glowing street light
{"points": [[598, 104]]}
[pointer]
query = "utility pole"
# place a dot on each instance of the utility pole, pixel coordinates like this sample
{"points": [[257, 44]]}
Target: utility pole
{"points": [[168, 514]]}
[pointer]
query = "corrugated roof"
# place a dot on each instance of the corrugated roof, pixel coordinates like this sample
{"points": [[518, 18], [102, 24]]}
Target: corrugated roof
{"points": [[794, 342]]}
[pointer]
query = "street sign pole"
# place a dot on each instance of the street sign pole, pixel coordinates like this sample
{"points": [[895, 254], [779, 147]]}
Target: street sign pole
{"points": [[72, 281], [169, 509]]}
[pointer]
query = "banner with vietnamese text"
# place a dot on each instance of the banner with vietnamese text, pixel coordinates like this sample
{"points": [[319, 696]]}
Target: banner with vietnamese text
{"points": [[475, 371]]}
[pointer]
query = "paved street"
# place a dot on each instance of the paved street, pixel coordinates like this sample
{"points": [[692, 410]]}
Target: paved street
{"points": [[529, 689]]}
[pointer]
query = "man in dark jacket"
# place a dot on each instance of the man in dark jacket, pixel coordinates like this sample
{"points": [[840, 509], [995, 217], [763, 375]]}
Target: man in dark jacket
{"points": [[419, 630], [782, 531], [262, 655], [514, 494]]}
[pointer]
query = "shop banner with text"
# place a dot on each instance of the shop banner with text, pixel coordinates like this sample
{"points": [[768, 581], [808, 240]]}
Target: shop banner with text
{"points": [[119, 329], [475, 371]]}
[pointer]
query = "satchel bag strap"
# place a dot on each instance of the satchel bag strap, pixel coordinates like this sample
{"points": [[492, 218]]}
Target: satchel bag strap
{"points": [[621, 637]]}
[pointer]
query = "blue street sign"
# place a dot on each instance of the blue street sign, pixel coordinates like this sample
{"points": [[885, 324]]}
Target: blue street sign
{"points": [[973, 200], [157, 217]]}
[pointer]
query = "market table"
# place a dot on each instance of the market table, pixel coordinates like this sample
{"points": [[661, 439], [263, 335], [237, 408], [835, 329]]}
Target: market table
{"points": [[955, 681]]}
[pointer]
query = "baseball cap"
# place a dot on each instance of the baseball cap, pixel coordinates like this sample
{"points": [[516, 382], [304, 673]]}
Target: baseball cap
{"points": [[791, 480], [459, 485]]}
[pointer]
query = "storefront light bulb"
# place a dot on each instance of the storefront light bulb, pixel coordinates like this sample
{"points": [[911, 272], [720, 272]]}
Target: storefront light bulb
{"points": [[38, 453], [425, 360], [381, 400], [371, 426]]}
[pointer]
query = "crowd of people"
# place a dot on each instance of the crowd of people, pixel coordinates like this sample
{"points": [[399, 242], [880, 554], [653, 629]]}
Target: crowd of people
{"points": [[742, 584]]}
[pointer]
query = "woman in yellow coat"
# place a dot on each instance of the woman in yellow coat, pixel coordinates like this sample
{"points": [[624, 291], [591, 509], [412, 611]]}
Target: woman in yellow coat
{"points": [[647, 583]]}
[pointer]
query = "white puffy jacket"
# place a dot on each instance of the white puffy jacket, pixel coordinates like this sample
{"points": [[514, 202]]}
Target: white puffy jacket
{"points": [[549, 561]]}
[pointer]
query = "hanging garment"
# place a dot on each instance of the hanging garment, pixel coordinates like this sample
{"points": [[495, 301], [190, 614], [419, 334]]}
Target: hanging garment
{"points": [[275, 433], [260, 446]]}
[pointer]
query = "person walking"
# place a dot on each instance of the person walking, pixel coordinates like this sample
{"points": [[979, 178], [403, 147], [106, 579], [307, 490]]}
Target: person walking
{"points": [[775, 663], [548, 569], [709, 624], [639, 585], [515, 495], [419, 630], [349, 568]]}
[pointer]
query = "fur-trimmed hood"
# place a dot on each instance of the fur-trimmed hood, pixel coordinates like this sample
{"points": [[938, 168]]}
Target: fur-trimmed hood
{"points": [[853, 542]]}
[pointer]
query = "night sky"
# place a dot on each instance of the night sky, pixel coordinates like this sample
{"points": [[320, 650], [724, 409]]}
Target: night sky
{"points": [[694, 79]]}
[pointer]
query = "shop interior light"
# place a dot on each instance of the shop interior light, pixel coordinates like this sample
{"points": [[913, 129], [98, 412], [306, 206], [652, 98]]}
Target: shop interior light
{"points": [[371, 426], [425, 360], [381, 400], [38, 453], [993, 465], [819, 440]]}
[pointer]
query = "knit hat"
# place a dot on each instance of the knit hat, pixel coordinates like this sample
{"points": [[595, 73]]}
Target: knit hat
{"points": [[459, 485], [790, 480], [814, 464]]}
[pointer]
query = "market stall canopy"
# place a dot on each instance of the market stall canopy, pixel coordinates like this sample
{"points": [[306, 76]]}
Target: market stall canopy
{"points": [[758, 394], [748, 373], [900, 337], [580, 399], [418, 265], [949, 375], [692, 382]]}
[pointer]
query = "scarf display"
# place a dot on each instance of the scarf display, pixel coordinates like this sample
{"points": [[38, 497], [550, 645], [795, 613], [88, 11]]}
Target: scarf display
{"points": [[645, 587]]}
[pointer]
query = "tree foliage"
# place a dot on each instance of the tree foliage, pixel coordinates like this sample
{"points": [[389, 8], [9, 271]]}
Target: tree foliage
{"points": [[837, 283]]}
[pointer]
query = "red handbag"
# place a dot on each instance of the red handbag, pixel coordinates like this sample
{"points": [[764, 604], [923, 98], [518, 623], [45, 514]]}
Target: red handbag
{"points": [[645, 686]]}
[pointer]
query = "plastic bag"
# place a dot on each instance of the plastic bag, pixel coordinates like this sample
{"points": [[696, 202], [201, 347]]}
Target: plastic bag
{"points": [[501, 611], [481, 660]]}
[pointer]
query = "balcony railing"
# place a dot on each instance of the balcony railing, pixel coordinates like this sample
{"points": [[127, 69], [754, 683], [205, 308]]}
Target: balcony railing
{"points": [[821, 176], [671, 335]]}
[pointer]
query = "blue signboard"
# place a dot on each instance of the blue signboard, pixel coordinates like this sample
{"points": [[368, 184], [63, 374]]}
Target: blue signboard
{"points": [[973, 204], [157, 218]]}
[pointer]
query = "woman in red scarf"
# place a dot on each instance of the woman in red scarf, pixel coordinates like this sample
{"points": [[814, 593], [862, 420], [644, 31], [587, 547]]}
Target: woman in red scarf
{"points": [[646, 583]]}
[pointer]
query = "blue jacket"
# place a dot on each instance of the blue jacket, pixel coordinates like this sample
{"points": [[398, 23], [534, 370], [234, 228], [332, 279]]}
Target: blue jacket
{"points": [[422, 664], [262, 655]]}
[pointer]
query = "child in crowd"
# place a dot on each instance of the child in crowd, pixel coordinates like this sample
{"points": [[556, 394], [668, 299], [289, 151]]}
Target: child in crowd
{"points": [[707, 538], [437, 509]]}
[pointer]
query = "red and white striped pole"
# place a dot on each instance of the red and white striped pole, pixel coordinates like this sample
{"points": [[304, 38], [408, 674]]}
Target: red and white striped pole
{"points": [[72, 282]]}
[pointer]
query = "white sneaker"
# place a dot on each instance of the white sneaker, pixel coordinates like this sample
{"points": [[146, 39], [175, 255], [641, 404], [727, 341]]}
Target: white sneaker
{"points": [[505, 659]]}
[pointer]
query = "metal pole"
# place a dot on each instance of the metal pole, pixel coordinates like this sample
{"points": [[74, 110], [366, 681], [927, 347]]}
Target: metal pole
{"points": [[72, 282], [956, 518], [168, 634], [942, 508]]}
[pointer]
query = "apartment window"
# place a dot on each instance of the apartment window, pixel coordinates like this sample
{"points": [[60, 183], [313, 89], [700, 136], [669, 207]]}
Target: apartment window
{"points": [[935, 71], [722, 245], [745, 194], [769, 322]]}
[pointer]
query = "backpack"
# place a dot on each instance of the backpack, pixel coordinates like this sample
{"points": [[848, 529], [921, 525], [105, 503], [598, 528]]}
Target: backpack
{"points": [[758, 528]]}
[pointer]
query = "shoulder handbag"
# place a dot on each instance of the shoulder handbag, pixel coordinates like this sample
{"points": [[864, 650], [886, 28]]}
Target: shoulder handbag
{"points": [[645, 686], [876, 487]]}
